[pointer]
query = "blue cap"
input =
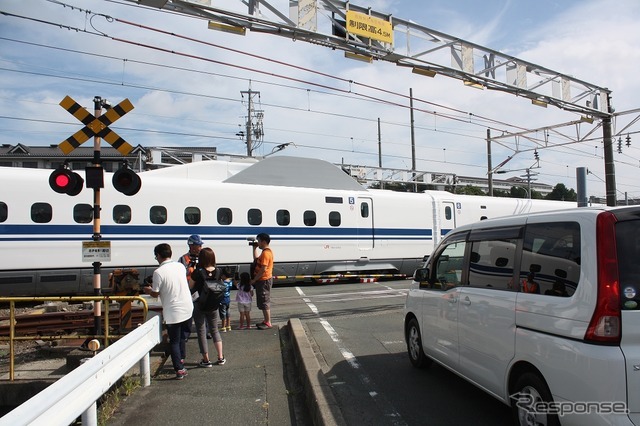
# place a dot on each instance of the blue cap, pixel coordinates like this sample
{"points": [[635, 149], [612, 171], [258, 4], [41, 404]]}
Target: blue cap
{"points": [[195, 240]]}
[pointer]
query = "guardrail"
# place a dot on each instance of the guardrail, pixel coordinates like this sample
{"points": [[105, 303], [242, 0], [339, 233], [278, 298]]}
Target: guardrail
{"points": [[76, 393]]}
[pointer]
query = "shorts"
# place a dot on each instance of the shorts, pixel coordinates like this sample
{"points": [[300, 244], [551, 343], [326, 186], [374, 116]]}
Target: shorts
{"points": [[244, 307], [263, 293], [223, 310]]}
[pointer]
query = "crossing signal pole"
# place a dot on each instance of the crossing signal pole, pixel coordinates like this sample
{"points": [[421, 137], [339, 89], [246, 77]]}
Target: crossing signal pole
{"points": [[125, 180]]}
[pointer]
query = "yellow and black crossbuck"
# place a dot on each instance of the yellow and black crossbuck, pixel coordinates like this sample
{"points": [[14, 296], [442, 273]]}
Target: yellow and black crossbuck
{"points": [[96, 126]]}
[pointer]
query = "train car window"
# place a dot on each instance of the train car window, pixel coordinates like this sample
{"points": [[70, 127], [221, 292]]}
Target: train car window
{"points": [[121, 213], [158, 215], [364, 209], [447, 213], [225, 217], [309, 218], [333, 200], [192, 215], [334, 218], [83, 213], [283, 218], [254, 217], [41, 212], [4, 211]]}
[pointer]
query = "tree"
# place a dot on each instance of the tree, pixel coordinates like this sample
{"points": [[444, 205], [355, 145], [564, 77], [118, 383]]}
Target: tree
{"points": [[470, 190], [561, 193]]}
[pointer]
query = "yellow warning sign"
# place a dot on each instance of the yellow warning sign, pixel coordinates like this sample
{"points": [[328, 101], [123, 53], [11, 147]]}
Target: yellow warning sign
{"points": [[368, 26]]}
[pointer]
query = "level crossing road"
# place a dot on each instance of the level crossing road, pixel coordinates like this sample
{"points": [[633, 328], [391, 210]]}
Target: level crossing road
{"points": [[356, 332]]}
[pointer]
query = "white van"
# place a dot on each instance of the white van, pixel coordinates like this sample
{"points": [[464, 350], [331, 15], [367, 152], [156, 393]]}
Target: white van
{"points": [[541, 311]]}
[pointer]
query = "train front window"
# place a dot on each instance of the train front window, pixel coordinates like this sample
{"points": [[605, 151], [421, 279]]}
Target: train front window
{"points": [[192, 215], [254, 217], [82, 213], [41, 212], [121, 213], [158, 215]]}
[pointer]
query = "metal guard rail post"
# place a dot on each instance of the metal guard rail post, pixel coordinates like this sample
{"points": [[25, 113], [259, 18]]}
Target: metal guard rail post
{"points": [[101, 299], [76, 393]]}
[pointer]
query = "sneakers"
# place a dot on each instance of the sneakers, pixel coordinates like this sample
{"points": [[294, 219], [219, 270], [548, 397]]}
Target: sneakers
{"points": [[243, 327], [181, 374], [205, 364], [221, 361], [263, 325]]}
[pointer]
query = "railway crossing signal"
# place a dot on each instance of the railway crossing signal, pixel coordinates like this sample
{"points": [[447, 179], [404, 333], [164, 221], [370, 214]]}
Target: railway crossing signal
{"points": [[65, 181], [125, 180]]}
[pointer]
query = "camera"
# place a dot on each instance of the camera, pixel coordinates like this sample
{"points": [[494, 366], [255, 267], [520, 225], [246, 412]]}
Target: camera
{"points": [[252, 242]]}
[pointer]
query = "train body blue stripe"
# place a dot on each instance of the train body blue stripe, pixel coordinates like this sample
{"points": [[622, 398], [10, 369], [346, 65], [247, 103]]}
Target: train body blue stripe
{"points": [[44, 232]]}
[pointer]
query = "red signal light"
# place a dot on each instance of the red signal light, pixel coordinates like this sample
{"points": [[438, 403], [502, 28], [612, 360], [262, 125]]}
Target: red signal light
{"points": [[64, 181]]}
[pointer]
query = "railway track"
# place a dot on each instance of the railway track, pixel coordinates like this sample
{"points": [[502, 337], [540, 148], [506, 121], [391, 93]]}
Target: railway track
{"points": [[66, 322]]}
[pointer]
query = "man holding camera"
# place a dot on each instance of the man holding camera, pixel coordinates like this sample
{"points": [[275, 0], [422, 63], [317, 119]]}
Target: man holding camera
{"points": [[262, 278], [190, 259], [190, 262]]}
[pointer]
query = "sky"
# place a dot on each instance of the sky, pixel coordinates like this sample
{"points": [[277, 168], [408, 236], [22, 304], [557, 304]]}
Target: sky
{"points": [[187, 88]]}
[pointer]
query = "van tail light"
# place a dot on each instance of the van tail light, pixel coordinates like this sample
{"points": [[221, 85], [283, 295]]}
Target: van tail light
{"points": [[605, 325]]}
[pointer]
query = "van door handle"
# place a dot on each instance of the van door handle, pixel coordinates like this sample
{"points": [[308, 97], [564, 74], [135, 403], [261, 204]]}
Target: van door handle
{"points": [[452, 300], [466, 300]]}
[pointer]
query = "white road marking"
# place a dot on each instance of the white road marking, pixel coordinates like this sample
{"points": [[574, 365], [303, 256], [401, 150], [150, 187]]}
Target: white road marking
{"points": [[381, 402]]}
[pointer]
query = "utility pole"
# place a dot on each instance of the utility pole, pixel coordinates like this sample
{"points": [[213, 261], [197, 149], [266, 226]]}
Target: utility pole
{"points": [[413, 135], [489, 168], [379, 145], [609, 167], [253, 126]]}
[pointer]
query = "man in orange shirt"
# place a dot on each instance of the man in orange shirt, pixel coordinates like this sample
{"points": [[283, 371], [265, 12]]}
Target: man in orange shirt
{"points": [[262, 278]]}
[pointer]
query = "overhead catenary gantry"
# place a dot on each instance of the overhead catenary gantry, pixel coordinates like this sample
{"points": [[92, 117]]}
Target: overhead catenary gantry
{"points": [[363, 33]]}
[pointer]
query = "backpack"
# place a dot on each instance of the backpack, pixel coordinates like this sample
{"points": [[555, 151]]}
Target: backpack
{"points": [[213, 290]]}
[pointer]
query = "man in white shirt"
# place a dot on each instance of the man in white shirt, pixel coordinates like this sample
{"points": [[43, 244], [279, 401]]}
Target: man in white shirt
{"points": [[170, 284]]}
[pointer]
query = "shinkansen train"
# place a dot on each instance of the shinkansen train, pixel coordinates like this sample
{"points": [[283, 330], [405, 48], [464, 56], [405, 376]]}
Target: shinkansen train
{"points": [[321, 221]]}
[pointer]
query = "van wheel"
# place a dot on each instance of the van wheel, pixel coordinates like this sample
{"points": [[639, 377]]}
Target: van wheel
{"points": [[414, 346], [530, 391]]}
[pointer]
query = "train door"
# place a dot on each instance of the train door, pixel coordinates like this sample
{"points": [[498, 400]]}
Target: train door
{"points": [[447, 217], [365, 223]]}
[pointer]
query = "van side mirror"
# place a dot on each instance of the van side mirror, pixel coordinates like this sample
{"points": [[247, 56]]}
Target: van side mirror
{"points": [[421, 275]]}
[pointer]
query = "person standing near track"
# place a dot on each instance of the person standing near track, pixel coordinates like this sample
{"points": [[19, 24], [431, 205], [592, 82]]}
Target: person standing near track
{"points": [[262, 279], [170, 283], [190, 262]]}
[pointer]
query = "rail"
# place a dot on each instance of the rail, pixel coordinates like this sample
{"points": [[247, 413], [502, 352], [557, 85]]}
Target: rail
{"points": [[76, 394], [103, 299]]}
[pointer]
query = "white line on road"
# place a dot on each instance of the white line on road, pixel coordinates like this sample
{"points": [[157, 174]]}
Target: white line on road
{"points": [[381, 402]]}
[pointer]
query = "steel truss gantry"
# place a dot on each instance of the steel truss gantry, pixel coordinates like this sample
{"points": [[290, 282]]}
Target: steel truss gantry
{"points": [[425, 51]]}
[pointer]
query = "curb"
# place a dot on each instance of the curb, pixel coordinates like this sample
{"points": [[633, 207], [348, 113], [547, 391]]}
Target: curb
{"points": [[318, 395]]}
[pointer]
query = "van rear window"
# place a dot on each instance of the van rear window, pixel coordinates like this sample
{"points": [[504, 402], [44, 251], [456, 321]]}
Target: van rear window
{"points": [[628, 251]]}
